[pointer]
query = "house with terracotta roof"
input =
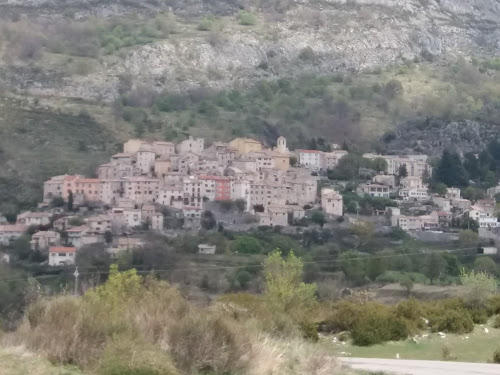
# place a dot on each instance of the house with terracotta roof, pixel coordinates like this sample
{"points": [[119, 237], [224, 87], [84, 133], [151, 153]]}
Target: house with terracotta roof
{"points": [[61, 256], [442, 218]]}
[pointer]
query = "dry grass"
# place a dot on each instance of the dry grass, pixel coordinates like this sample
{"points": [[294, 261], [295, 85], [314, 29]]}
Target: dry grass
{"points": [[293, 356]]}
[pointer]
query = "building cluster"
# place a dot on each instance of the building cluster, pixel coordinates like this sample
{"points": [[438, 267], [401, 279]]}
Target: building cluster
{"points": [[130, 190]]}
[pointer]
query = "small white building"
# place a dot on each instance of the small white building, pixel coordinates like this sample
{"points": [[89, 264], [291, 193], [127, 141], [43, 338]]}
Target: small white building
{"points": [[453, 193], [310, 159], [11, 232], [34, 218], [206, 249], [374, 190], [156, 221], [61, 256], [419, 194]]}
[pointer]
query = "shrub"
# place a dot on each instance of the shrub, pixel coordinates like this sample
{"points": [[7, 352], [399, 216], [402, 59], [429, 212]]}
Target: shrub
{"points": [[307, 54], [208, 344], [309, 331], [412, 312], [246, 18], [479, 316], [205, 25], [496, 356], [124, 326], [127, 355], [451, 321], [496, 322]]}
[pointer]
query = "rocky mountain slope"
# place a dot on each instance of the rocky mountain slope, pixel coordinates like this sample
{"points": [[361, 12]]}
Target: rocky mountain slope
{"points": [[289, 38]]}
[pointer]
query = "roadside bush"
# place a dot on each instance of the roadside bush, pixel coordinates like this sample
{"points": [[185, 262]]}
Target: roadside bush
{"points": [[412, 312], [496, 356], [377, 324], [208, 344], [451, 321], [369, 323], [479, 316], [496, 322], [494, 306]]}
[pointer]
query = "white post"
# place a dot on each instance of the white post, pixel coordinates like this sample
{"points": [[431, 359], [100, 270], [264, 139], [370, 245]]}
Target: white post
{"points": [[76, 274]]}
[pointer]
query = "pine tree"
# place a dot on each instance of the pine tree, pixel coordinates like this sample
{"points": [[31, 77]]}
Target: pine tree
{"points": [[70, 201]]}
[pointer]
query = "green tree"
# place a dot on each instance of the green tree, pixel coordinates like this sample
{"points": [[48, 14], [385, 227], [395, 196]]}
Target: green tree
{"points": [[318, 217], [353, 265], [490, 179], [108, 236], [440, 189], [379, 165], [284, 289], [435, 266], [365, 230], [468, 238], [403, 172], [70, 201], [471, 165], [247, 245], [450, 170], [208, 220], [293, 161], [486, 265], [479, 287], [57, 202]]}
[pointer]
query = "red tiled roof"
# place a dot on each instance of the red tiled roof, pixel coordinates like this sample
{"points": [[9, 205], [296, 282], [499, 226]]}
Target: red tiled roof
{"points": [[88, 180], [309, 151], [215, 178], [13, 228], [61, 249], [77, 229]]}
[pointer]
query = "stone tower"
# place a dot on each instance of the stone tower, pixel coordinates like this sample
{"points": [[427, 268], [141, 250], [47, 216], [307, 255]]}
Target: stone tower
{"points": [[281, 145]]}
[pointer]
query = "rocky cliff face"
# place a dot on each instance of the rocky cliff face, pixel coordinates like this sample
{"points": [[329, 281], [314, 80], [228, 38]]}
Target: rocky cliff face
{"points": [[344, 35]]}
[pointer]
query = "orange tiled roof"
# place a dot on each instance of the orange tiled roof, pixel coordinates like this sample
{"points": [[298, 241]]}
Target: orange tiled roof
{"points": [[61, 249]]}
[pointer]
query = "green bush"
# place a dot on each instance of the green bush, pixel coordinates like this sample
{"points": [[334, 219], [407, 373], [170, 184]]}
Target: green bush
{"points": [[412, 312], [496, 322], [309, 331], [205, 25], [376, 326], [451, 321], [479, 316], [246, 18], [494, 306], [496, 356], [369, 323]]}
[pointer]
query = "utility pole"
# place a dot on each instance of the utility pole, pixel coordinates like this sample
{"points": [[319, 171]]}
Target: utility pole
{"points": [[76, 274]]}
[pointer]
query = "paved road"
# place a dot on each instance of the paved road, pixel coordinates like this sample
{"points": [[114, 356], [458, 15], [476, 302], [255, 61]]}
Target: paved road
{"points": [[413, 367]]}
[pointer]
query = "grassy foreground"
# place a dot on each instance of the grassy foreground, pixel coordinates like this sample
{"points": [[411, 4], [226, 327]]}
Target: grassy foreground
{"points": [[18, 361], [477, 346]]}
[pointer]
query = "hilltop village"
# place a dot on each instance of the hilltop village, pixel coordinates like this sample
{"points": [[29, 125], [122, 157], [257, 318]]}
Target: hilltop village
{"points": [[166, 187]]}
